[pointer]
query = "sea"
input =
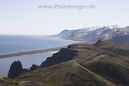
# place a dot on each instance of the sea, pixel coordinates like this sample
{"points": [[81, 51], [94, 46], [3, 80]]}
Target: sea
{"points": [[16, 43]]}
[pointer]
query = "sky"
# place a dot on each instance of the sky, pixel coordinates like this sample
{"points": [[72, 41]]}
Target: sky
{"points": [[25, 17]]}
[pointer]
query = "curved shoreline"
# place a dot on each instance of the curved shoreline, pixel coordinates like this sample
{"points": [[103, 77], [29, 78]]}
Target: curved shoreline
{"points": [[30, 52]]}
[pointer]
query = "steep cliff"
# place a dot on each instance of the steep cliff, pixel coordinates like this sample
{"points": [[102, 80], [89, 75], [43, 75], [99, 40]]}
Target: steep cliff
{"points": [[63, 55], [15, 69]]}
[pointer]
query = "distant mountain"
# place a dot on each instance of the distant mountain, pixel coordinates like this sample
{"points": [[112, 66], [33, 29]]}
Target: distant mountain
{"points": [[121, 39], [126, 29], [103, 64], [94, 33]]}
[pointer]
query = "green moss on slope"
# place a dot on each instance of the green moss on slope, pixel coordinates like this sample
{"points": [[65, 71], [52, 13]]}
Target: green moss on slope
{"points": [[4, 81], [64, 74]]}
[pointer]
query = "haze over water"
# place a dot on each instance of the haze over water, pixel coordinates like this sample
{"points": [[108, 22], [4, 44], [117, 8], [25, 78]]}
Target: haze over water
{"points": [[10, 44]]}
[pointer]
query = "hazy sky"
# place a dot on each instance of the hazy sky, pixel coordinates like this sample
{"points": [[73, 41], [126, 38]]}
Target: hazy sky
{"points": [[25, 17]]}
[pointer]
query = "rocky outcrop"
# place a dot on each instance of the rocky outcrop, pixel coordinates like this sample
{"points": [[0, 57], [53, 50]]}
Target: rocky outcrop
{"points": [[63, 55], [33, 67], [15, 69]]}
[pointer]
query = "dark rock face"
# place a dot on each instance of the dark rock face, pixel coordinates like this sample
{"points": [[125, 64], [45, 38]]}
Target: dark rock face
{"points": [[63, 55], [99, 41], [33, 67], [15, 69]]}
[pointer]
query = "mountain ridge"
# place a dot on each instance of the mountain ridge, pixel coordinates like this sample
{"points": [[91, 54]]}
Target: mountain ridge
{"points": [[92, 34], [100, 64], [73, 77]]}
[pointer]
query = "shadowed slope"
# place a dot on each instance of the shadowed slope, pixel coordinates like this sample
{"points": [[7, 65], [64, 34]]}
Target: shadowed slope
{"points": [[104, 59], [124, 39], [119, 49], [65, 74], [114, 69], [83, 65], [62, 56]]}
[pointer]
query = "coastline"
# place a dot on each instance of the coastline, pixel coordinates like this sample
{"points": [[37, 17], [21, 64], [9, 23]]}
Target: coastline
{"points": [[31, 52]]}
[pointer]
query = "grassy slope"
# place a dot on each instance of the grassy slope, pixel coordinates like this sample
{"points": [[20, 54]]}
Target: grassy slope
{"points": [[65, 74], [119, 49], [4, 81], [106, 59], [103, 59]]}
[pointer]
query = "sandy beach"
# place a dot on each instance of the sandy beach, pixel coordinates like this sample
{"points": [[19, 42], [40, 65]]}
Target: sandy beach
{"points": [[30, 52]]}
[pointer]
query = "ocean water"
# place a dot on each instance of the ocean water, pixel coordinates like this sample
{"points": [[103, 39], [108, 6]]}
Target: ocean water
{"points": [[26, 60], [10, 44]]}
